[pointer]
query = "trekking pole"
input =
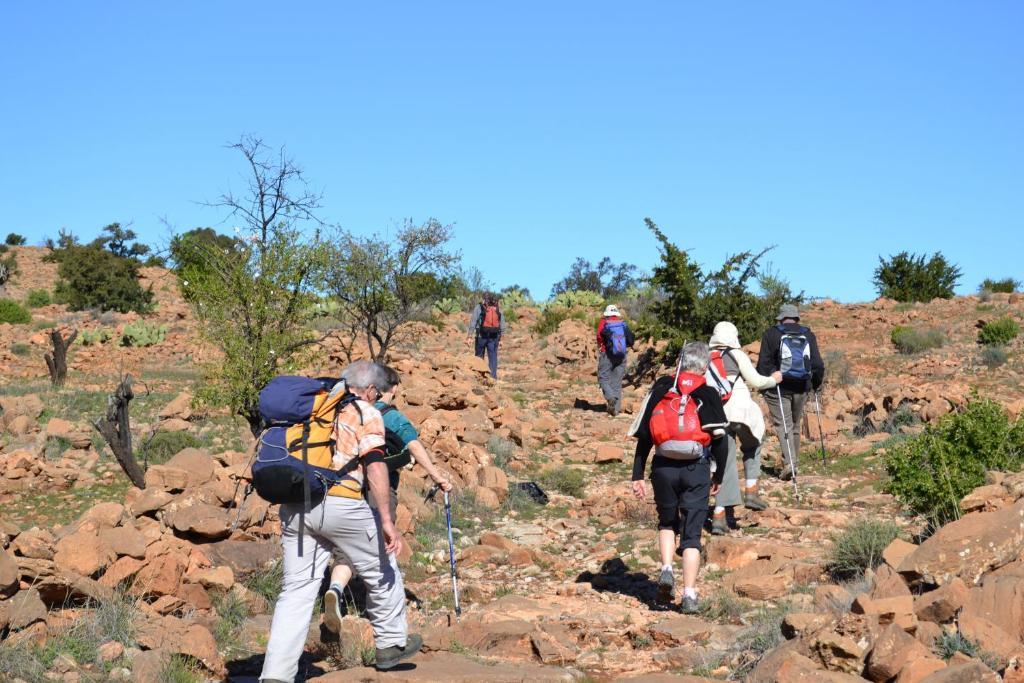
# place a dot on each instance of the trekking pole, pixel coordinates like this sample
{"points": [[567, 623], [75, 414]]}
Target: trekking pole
{"points": [[821, 432], [451, 543], [786, 446]]}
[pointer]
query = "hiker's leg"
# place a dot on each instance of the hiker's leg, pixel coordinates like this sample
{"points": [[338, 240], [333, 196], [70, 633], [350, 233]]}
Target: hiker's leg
{"points": [[604, 376], [666, 546], [729, 494], [300, 587], [492, 356], [797, 402], [352, 526], [617, 374], [775, 412], [341, 574], [696, 479], [479, 346], [665, 482], [691, 567]]}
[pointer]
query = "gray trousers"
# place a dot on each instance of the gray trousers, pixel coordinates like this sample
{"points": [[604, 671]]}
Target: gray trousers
{"points": [[610, 376], [729, 494], [352, 527], [793, 407]]}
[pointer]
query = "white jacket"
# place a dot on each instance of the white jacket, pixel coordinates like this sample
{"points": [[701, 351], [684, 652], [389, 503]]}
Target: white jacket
{"points": [[741, 407]]}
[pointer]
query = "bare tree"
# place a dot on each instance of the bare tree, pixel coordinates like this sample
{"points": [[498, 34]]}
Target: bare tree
{"points": [[57, 362], [115, 428]]}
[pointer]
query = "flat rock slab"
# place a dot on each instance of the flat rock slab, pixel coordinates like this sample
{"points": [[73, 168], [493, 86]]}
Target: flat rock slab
{"points": [[452, 668]]}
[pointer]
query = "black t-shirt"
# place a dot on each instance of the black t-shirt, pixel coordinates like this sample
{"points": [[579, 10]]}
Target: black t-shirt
{"points": [[711, 412]]}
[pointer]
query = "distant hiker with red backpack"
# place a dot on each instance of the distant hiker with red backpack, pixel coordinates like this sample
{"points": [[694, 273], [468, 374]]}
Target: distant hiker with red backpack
{"points": [[684, 420], [336, 437], [792, 349], [402, 447], [614, 339], [732, 373], [488, 324]]}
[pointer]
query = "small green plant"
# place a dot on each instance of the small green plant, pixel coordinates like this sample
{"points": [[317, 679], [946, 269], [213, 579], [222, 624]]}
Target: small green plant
{"points": [[93, 337], [447, 306], [931, 472], [231, 614], [20, 349], [502, 449], [143, 334], [859, 547], [163, 446], [909, 277], [566, 480], [552, 316], [991, 357], [641, 641], [1006, 285], [949, 643], [840, 372], [14, 239], [724, 607], [576, 299], [181, 669], [55, 447], [37, 298], [1001, 331], [515, 298], [267, 581], [14, 313], [915, 340]]}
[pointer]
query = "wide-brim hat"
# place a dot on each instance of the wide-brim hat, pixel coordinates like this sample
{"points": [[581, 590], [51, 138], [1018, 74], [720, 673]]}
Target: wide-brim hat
{"points": [[788, 311], [610, 310]]}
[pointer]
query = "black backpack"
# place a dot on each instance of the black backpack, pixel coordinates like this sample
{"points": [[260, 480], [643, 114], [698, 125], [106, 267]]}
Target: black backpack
{"points": [[397, 453]]}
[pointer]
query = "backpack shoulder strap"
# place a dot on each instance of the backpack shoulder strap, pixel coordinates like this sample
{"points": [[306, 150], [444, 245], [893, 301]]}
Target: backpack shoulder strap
{"points": [[387, 409]]}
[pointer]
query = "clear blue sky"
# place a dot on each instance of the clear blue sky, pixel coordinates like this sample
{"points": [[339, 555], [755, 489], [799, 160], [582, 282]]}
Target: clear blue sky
{"points": [[544, 130]]}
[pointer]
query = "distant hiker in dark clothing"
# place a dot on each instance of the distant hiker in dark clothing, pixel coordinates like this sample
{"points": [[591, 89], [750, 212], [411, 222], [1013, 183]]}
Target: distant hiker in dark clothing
{"points": [[792, 349], [614, 339], [684, 420], [488, 324]]}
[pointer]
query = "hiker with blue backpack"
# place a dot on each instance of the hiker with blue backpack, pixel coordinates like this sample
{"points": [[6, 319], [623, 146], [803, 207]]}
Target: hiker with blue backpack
{"points": [[488, 325], [614, 339], [792, 349], [324, 442], [402, 448]]}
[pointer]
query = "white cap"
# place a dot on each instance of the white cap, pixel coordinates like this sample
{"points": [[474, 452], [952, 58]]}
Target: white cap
{"points": [[610, 310]]}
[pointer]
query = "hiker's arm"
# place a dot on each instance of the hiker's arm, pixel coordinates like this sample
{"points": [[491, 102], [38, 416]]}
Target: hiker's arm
{"points": [[751, 376], [474, 321], [720, 453], [600, 329], [817, 364], [377, 477], [630, 337], [423, 459], [643, 449], [766, 356]]}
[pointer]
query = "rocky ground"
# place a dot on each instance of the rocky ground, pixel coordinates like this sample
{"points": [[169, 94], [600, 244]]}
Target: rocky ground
{"points": [[104, 581]]}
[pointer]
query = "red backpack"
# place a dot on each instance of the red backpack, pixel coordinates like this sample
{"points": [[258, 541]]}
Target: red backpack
{"points": [[675, 425], [717, 377], [490, 321]]}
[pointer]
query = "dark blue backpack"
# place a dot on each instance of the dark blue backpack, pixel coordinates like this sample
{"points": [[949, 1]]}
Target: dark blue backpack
{"points": [[614, 334], [295, 453], [794, 354]]}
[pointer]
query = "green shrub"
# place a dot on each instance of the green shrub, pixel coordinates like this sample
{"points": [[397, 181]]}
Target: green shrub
{"points": [[8, 265], [993, 356], [447, 306], [514, 298], [840, 372], [93, 277], [502, 449], [916, 339], [566, 480], [908, 277], [577, 299], [267, 581], [14, 239], [163, 446], [931, 472], [181, 669], [949, 643], [143, 334], [551, 317], [1006, 286], [14, 313], [859, 547], [37, 298], [92, 337], [20, 349], [1001, 331]]}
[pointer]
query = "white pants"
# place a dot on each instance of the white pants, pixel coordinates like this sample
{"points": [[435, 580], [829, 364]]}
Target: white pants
{"points": [[352, 527]]}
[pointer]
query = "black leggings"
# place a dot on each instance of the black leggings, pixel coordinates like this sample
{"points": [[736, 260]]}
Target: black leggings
{"points": [[681, 494]]}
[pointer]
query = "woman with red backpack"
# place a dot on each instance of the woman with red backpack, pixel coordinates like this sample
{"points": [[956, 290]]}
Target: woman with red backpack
{"points": [[684, 420], [488, 324]]}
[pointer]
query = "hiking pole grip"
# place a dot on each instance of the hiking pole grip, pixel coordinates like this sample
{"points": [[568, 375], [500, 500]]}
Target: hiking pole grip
{"points": [[451, 554]]}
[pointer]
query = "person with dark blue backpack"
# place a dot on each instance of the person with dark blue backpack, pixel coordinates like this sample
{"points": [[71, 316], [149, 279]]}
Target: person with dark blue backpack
{"points": [[792, 349], [614, 339]]}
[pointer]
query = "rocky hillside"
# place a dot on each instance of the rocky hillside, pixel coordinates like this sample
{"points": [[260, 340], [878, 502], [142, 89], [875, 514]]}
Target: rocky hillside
{"points": [[104, 581]]}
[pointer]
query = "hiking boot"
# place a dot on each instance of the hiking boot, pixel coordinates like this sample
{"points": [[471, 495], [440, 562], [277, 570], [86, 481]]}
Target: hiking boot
{"points": [[719, 525], [666, 586], [613, 407], [689, 605], [390, 657], [332, 610], [786, 474], [752, 501]]}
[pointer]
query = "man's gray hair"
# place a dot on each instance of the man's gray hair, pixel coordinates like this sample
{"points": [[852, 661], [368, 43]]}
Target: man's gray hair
{"points": [[363, 373], [696, 357]]}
